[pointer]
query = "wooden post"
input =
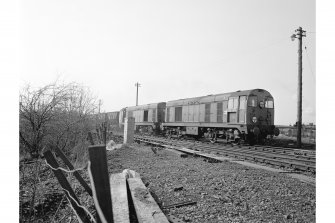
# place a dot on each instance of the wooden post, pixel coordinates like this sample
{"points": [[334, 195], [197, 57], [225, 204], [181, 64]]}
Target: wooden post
{"points": [[300, 33], [66, 187], [129, 125], [98, 135], [99, 170], [104, 132], [75, 173]]}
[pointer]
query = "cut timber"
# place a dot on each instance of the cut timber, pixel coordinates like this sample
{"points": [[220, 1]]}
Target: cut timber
{"points": [[130, 174], [119, 198], [180, 154], [146, 208], [206, 155], [179, 204]]}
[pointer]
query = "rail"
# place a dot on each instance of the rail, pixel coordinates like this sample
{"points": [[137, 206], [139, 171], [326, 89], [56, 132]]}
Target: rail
{"points": [[279, 157]]}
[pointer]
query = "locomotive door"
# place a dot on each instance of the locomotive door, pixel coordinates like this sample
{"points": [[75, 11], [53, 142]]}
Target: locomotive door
{"points": [[232, 110], [242, 109], [225, 111]]}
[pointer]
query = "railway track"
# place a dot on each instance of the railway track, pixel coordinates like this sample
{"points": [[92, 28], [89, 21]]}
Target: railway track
{"points": [[293, 159]]}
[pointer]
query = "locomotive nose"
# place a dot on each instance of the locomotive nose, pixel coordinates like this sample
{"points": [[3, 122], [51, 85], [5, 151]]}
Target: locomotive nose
{"points": [[256, 131]]}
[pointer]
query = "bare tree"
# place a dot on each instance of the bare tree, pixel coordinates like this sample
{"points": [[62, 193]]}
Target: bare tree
{"points": [[56, 113]]}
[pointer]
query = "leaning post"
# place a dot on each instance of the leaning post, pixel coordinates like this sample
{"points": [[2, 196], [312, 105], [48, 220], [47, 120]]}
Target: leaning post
{"points": [[71, 196], [99, 170]]}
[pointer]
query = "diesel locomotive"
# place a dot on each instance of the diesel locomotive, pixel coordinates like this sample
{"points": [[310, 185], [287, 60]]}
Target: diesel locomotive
{"points": [[242, 115], [148, 118]]}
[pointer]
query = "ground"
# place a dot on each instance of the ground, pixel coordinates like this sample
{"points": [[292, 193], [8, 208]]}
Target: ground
{"points": [[224, 192], [286, 141]]}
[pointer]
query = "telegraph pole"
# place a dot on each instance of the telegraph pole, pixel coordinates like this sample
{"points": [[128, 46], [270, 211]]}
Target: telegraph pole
{"points": [[137, 85], [299, 34], [99, 105]]}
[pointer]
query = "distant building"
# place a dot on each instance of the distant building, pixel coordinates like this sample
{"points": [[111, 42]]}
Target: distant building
{"points": [[307, 131]]}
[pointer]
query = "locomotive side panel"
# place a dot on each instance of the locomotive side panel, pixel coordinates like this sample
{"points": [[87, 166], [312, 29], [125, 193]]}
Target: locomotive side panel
{"points": [[213, 112], [135, 115], [202, 113], [196, 113], [219, 109], [150, 114], [172, 114], [161, 113], [122, 116], [190, 113], [184, 113]]}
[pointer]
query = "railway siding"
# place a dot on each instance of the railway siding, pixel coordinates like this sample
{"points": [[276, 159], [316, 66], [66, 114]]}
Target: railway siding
{"points": [[264, 155]]}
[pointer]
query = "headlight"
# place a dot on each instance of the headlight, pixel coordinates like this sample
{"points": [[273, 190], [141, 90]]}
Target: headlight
{"points": [[254, 119]]}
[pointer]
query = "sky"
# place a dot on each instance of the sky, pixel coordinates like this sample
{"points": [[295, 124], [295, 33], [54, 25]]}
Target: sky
{"points": [[174, 49]]}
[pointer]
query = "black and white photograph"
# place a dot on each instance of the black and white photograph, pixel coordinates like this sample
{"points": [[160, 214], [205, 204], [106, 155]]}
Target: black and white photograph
{"points": [[168, 111]]}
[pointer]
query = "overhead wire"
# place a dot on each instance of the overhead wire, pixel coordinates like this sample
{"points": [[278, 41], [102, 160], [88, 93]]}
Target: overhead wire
{"points": [[220, 60], [309, 63], [307, 100]]}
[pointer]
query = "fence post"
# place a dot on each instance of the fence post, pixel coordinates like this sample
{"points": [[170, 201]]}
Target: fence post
{"points": [[75, 173], [66, 187], [98, 135], [105, 133], [99, 170]]}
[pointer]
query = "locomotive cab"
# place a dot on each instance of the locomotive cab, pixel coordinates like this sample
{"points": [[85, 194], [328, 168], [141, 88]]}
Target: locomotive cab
{"points": [[260, 116]]}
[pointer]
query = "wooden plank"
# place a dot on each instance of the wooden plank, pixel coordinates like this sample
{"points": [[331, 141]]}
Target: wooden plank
{"points": [[100, 177], [179, 204], [71, 196], [130, 174], [147, 210], [119, 198], [75, 173], [199, 153], [180, 154]]}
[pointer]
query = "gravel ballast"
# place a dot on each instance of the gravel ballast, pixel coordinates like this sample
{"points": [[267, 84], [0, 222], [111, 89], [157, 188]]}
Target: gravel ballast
{"points": [[224, 192]]}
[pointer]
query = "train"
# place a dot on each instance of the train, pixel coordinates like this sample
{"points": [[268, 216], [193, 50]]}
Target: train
{"points": [[246, 115]]}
